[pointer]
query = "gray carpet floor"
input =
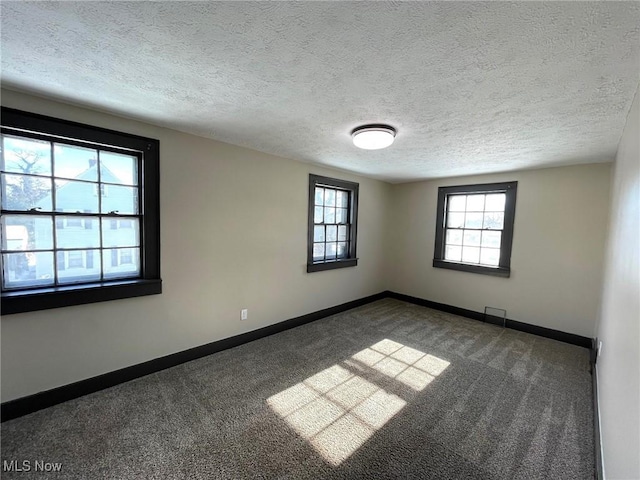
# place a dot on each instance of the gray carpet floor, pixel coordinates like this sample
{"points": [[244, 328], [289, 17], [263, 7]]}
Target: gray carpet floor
{"points": [[387, 390]]}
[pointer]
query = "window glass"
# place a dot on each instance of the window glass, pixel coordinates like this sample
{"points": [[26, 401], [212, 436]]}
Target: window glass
{"points": [[114, 266], [79, 175], [24, 192], [26, 155], [453, 253], [457, 203], [332, 223], [73, 196], [118, 168], [26, 269], [122, 200], [75, 162], [318, 251], [475, 227], [27, 232], [71, 204], [112, 236], [75, 234]]}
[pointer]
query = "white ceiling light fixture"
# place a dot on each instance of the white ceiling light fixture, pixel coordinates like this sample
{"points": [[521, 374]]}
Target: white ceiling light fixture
{"points": [[373, 137]]}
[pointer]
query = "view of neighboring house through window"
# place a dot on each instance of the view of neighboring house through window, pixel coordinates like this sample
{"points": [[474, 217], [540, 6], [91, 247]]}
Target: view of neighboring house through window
{"points": [[78, 225], [76, 259], [57, 230], [126, 256]]}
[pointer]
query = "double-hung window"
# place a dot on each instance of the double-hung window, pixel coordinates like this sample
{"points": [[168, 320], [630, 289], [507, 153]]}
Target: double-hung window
{"points": [[333, 216], [64, 187], [474, 229]]}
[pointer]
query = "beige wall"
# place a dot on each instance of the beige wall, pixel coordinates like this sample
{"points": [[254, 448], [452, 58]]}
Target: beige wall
{"points": [[234, 233], [558, 245], [619, 327], [243, 245]]}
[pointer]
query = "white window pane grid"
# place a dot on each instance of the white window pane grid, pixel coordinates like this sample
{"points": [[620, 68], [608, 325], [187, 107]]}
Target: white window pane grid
{"points": [[473, 231], [331, 229], [43, 176]]}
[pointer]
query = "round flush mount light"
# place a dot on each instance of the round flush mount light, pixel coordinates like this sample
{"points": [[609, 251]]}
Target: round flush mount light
{"points": [[373, 137]]}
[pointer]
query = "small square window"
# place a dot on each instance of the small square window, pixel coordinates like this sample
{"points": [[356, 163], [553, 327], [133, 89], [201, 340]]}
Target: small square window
{"points": [[75, 260], [125, 256], [74, 222]]}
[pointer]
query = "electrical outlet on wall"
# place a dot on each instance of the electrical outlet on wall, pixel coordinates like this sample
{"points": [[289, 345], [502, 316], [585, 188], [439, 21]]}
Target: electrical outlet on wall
{"points": [[244, 314]]}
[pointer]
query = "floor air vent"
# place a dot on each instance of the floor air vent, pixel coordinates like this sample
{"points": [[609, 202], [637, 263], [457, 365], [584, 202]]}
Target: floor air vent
{"points": [[497, 316]]}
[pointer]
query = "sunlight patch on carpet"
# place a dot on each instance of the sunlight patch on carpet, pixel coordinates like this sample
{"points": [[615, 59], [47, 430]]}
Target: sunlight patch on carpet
{"points": [[337, 411], [412, 367]]}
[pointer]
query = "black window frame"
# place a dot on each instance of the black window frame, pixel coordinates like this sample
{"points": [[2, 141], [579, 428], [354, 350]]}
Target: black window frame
{"points": [[352, 188], [504, 265], [149, 282]]}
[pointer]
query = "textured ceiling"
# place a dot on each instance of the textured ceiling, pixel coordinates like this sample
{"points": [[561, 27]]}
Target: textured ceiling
{"points": [[471, 87]]}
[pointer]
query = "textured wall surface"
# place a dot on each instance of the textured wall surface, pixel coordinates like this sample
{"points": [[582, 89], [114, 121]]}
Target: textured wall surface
{"points": [[619, 328], [473, 88]]}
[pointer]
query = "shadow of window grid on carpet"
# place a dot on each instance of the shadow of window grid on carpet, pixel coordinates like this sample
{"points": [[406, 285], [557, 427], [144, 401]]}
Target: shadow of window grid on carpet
{"points": [[337, 411]]}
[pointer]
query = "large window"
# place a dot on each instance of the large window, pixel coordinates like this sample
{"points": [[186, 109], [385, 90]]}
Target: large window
{"points": [[74, 197], [474, 229], [333, 214]]}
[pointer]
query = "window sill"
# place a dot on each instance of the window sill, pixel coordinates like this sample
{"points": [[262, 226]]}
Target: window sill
{"points": [[331, 265], [55, 297], [465, 267]]}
